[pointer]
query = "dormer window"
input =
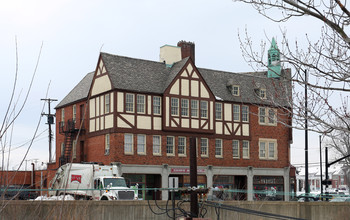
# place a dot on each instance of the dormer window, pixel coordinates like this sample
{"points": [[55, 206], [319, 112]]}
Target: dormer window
{"points": [[235, 90], [261, 93]]}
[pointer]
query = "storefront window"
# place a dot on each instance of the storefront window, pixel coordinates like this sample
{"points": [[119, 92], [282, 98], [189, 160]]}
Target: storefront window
{"points": [[268, 188]]}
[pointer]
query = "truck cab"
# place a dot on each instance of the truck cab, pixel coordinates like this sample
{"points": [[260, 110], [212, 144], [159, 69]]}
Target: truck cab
{"points": [[112, 188]]}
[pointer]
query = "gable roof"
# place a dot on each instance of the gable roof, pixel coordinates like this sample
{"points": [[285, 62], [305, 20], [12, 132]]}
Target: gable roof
{"points": [[145, 76]]}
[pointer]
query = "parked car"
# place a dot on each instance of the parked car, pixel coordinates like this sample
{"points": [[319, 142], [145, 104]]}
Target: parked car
{"points": [[312, 197], [341, 199]]}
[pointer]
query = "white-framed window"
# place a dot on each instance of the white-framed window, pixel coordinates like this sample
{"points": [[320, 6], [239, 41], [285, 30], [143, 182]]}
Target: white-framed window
{"points": [[218, 148], [128, 143], [235, 148], [174, 106], [141, 144], [157, 145], [236, 113], [245, 113], [107, 144], [74, 149], [245, 149], [194, 108], [204, 109], [184, 107], [262, 93], [268, 149], [140, 107], [182, 146], [218, 111], [170, 146], [74, 113], [267, 116], [107, 103], [204, 147], [156, 105], [235, 90], [129, 102]]}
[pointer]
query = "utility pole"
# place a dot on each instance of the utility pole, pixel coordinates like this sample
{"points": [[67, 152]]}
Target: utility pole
{"points": [[307, 189], [193, 177], [321, 166], [50, 121]]}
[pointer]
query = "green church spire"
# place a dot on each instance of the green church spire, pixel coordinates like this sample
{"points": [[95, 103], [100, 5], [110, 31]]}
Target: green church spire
{"points": [[274, 64]]}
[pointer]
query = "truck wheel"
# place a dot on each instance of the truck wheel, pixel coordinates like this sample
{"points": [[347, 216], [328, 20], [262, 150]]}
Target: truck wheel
{"points": [[104, 198]]}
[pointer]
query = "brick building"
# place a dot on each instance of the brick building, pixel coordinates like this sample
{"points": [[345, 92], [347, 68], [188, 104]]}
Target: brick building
{"points": [[140, 115]]}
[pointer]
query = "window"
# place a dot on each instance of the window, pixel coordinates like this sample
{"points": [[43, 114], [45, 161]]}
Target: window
{"points": [[182, 146], [235, 90], [129, 102], [267, 116], [235, 148], [156, 144], [62, 117], [218, 111], [245, 113], [74, 149], [204, 109], [174, 106], [184, 107], [245, 149], [156, 105], [218, 148], [107, 144], [268, 149], [194, 108], [140, 107], [74, 113], [170, 146], [107, 103], [204, 147], [62, 149], [141, 144], [236, 113], [262, 93], [128, 144]]}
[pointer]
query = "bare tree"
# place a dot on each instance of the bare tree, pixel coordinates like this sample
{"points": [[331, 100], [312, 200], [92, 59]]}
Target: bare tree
{"points": [[326, 61]]}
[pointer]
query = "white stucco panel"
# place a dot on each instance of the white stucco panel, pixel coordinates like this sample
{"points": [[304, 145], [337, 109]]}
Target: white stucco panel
{"points": [[228, 112], [97, 124], [175, 88], [109, 121], [92, 125], [112, 101], [189, 68], [228, 128], [194, 123], [185, 123], [185, 89], [211, 109], [120, 101], [121, 123], [245, 129], [167, 111], [101, 84], [205, 126], [204, 91], [194, 88], [218, 127], [97, 106], [130, 119], [102, 124], [92, 108], [144, 122], [157, 123], [149, 104]]}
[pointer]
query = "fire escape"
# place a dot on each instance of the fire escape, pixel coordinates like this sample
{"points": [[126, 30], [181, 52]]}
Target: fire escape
{"points": [[70, 130]]}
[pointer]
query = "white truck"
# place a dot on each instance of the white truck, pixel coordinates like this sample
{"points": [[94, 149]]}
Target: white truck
{"points": [[90, 181]]}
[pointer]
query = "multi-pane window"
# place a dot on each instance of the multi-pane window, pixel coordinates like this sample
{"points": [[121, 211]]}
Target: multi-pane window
{"points": [[267, 116], [245, 113], [107, 144], [141, 144], [128, 144], [194, 108], [74, 113], [268, 149], [129, 102], [218, 147], [62, 117], [182, 146], [236, 113], [184, 107], [245, 149], [156, 144], [262, 93], [174, 106], [204, 109], [74, 149], [218, 111], [107, 103], [156, 105], [204, 147], [235, 148], [140, 104], [170, 145], [235, 90]]}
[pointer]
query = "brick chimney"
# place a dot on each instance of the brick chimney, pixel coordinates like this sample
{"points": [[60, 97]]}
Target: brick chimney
{"points": [[187, 49]]}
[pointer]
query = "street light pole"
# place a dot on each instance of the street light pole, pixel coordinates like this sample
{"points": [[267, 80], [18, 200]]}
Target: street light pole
{"points": [[307, 189], [321, 166]]}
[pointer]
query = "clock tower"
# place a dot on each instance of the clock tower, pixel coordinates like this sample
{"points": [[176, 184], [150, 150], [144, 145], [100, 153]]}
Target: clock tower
{"points": [[274, 64]]}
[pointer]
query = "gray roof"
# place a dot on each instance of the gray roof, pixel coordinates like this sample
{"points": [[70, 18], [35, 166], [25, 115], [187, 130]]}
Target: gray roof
{"points": [[154, 77]]}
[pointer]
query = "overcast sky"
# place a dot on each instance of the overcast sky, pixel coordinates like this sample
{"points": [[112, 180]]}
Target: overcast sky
{"points": [[74, 32]]}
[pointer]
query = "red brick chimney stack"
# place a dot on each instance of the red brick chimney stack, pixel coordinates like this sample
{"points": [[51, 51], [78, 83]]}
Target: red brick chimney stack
{"points": [[187, 49]]}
